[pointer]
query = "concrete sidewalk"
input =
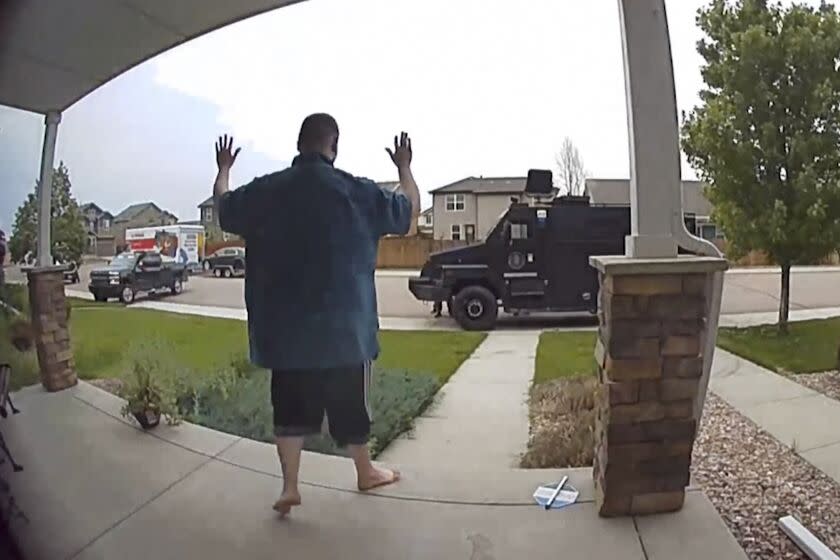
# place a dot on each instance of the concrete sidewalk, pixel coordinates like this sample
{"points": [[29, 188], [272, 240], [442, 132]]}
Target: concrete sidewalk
{"points": [[94, 487], [805, 420], [480, 417]]}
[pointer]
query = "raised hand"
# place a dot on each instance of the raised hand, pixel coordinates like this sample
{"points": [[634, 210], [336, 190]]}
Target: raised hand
{"points": [[401, 154], [225, 155]]}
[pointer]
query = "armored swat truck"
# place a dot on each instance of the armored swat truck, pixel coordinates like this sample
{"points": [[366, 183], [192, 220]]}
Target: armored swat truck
{"points": [[536, 258]]}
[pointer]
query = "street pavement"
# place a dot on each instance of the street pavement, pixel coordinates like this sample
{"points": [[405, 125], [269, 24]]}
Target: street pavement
{"points": [[745, 291]]}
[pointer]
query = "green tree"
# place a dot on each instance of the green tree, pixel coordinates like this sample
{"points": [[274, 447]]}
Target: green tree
{"points": [[67, 229], [765, 138]]}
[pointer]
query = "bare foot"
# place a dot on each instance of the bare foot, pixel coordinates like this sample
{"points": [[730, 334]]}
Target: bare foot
{"points": [[377, 478], [287, 501]]}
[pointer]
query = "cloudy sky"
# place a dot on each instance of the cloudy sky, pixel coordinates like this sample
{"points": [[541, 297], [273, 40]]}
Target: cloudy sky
{"points": [[485, 87]]}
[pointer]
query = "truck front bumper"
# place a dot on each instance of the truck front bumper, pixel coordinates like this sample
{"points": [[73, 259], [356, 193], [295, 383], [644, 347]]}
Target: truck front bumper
{"points": [[428, 289]]}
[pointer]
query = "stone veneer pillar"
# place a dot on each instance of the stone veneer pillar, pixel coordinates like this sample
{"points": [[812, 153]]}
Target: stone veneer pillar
{"points": [[49, 322], [654, 324]]}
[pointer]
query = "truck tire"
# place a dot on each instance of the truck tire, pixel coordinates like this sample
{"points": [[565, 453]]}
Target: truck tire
{"points": [[177, 287], [228, 273], [206, 266], [127, 295], [475, 308], [217, 272]]}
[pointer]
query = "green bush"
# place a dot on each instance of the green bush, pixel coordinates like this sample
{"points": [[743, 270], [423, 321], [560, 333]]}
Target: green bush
{"points": [[16, 296], [152, 379], [396, 398], [24, 364]]}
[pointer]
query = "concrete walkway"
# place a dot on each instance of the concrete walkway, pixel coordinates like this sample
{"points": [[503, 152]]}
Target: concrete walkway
{"points": [[480, 417], [797, 416], [96, 488]]}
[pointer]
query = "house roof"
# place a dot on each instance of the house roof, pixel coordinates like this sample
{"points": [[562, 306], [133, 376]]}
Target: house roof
{"points": [[617, 192], [208, 202], [90, 205], [428, 210], [132, 211], [93, 206], [485, 185], [55, 53]]}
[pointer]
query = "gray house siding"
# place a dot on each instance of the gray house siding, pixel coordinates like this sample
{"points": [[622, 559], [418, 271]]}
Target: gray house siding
{"points": [[490, 209], [444, 219]]}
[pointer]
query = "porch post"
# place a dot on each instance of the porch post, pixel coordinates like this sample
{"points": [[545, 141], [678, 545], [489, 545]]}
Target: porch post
{"points": [[52, 119], [655, 185], [658, 311]]}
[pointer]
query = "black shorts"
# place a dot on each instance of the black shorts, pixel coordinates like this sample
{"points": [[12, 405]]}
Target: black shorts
{"points": [[301, 398]]}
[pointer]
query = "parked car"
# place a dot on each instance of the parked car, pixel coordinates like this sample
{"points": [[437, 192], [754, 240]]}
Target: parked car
{"points": [[226, 262], [130, 274]]}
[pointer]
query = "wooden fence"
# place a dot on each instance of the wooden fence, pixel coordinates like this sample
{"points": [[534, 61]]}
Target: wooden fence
{"points": [[394, 252], [758, 258], [410, 252]]}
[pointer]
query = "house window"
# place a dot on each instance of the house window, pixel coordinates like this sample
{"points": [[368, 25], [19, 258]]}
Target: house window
{"points": [[708, 231], [106, 224], [455, 202], [208, 215], [456, 232]]}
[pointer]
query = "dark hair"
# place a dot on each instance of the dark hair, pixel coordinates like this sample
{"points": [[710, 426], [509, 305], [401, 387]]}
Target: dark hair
{"points": [[315, 131]]}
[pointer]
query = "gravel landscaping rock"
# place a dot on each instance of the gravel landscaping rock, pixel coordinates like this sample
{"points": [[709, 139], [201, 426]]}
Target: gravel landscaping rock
{"points": [[753, 480], [827, 383]]}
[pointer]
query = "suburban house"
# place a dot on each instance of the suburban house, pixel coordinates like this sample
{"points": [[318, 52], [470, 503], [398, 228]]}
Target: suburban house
{"points": [[144, 214], [695, 203], [468, 209], [97, 223]]}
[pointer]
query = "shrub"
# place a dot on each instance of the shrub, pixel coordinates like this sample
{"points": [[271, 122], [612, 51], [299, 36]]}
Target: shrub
{"points": [[21, 335], [15, 296], [151, 380], [396, 398], [562, 424]]}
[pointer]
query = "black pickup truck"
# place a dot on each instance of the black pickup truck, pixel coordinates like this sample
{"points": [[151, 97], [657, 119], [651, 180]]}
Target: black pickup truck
{"points": [[129, 274]]}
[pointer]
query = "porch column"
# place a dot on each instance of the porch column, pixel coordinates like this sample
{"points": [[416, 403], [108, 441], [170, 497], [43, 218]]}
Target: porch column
{"points": [[658, 311], [52, 119]]}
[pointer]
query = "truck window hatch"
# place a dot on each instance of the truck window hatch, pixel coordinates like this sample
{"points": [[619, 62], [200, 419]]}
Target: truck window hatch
{"points": [[518, 231]]}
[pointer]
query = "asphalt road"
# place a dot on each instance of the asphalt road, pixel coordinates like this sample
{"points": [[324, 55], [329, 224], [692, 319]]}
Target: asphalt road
{"points": [[751, 292]]}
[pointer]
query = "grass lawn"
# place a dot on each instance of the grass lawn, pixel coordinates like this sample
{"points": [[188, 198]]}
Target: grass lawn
{"points": [[100, 335], [811, 346], [564, 355]]}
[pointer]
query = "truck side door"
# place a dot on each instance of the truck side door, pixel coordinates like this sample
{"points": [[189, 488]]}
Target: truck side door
{"points": [[524, 284], [148, 272]]}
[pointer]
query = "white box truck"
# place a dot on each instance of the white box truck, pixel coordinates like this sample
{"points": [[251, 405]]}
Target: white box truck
{"points": [[183, 243]]}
